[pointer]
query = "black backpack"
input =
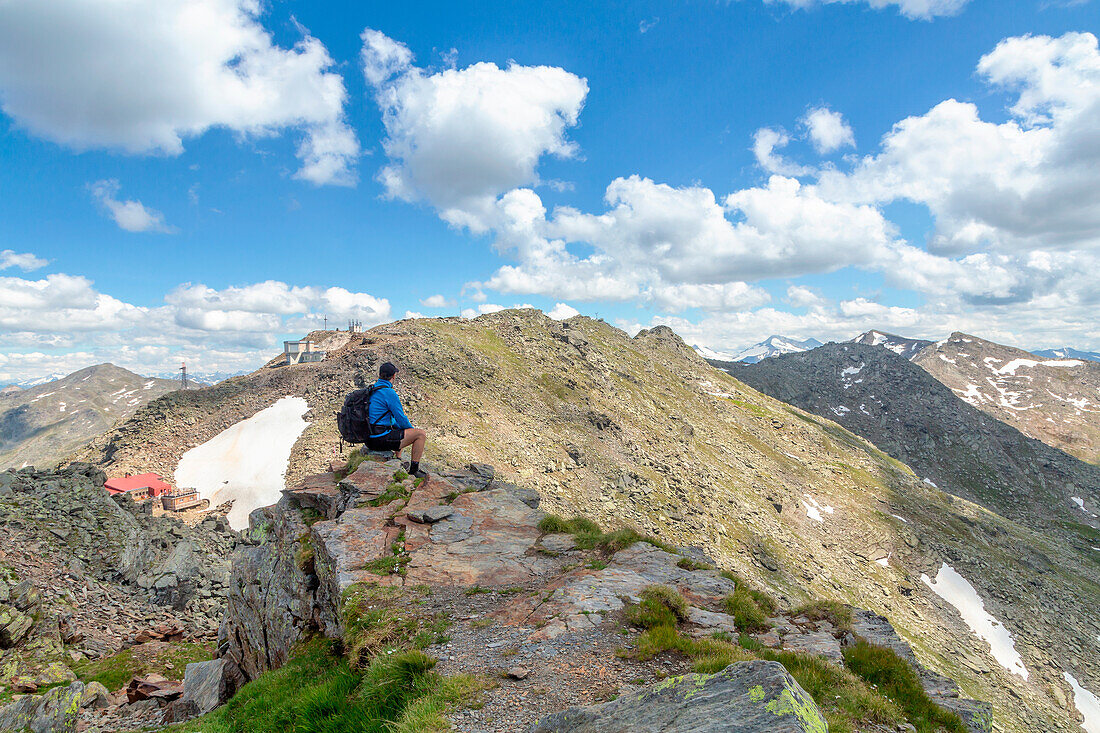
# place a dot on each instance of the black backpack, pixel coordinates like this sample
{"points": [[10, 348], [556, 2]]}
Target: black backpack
{"points": [[353, 420]]}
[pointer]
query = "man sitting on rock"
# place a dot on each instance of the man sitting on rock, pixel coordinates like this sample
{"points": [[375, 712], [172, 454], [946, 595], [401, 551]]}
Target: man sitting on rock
{"points": [[390, 428]]}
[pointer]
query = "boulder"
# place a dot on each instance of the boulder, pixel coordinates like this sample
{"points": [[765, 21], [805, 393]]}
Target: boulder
{"points": [[55, 712], [204, 688], [95, 696], [14, 626], [750, 697]]}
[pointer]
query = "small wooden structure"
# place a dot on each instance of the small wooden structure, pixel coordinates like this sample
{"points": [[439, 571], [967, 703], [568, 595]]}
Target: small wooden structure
{"points": [[177, 500]]}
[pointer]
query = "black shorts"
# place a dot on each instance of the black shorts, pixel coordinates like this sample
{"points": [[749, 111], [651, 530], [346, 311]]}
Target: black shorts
{"points": [[389, 441]]}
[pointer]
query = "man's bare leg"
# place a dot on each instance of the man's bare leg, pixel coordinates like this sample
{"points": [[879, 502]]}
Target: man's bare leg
{"points": [[417, 438]]}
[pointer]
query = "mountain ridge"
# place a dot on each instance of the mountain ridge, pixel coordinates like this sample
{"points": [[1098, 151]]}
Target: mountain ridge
{"points": [[642, 431], [44, 423], [1056, 401]]}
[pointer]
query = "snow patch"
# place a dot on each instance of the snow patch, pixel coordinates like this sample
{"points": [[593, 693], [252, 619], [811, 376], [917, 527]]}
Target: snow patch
{"points": [[1086, 703], [1079, 502], [957, 590], [897, 516], [247, 462], [973, 394], [814, 509], [883, 561], [840, 410], [1012, 366], [930, 482], [853, 370]]}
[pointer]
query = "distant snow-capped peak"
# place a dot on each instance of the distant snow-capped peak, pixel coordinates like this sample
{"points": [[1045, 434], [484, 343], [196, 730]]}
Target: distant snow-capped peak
{"points": [[900, 345], [769, 347]]}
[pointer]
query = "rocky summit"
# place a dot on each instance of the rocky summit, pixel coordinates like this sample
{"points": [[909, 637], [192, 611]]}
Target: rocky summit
{"points": [[1055, 400]]}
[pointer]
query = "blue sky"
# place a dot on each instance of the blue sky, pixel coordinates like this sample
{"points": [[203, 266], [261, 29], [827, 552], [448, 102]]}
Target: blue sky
{"points": [[151, 210]]}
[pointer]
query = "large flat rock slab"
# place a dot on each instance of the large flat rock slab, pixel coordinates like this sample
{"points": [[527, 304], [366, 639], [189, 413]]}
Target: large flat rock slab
{"points": [[370, 479], [582, 598], [748, 697], [488, 540]]}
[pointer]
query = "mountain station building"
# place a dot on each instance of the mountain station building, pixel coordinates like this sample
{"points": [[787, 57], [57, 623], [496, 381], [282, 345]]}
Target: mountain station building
{"points": [[139, 488]]}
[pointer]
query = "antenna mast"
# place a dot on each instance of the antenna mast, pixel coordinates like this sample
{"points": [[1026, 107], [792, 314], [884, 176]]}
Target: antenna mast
{"points": [[183, 375]]}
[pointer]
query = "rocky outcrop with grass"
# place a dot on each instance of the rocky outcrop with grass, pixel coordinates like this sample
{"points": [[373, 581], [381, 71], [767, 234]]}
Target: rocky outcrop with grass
{"points": [[528, 611], [749, 697]]}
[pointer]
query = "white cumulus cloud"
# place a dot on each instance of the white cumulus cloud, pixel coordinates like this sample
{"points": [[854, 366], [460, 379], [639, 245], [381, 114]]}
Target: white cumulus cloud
{"points": [[459, 138], [133, 216], [23, 260], [562, 311], [144, 75], [437, 301], [828, 130]]}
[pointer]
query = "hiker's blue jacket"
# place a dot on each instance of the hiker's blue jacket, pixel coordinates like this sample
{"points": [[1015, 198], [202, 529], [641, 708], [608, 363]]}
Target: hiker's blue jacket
{"points": [[386, 405]]}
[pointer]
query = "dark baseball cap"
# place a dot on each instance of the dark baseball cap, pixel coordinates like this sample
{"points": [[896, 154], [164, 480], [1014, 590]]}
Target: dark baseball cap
{"points": [[387, 370]]}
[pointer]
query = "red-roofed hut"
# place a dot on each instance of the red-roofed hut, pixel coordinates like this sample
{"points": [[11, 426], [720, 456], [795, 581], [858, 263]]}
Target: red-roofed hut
{"points": [[139, 487]]}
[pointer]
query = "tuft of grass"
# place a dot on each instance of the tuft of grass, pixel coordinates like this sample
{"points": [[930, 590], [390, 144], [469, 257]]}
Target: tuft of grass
{"points": [[311, 516], [394, 491], [895, 678], [304, 558], [355, 459], [835, 612], [400, 475], [475, 590], [749, 607], [374, 618], [661, 605], [589, 536]]}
